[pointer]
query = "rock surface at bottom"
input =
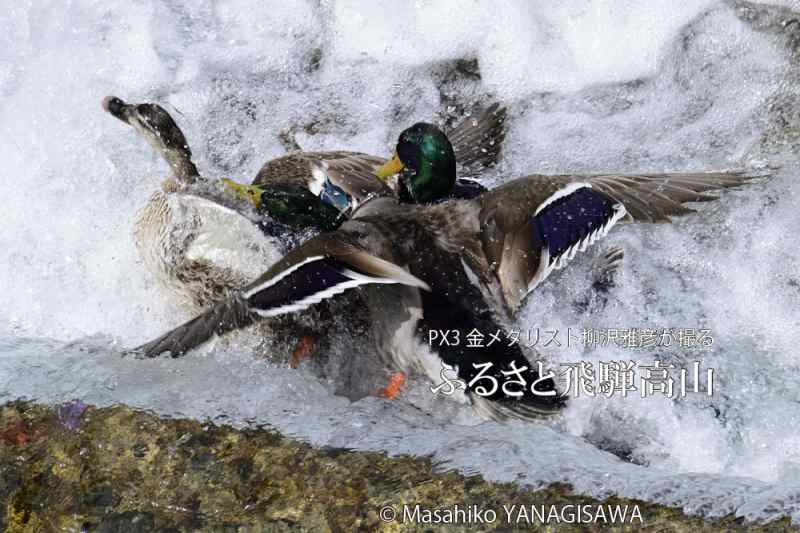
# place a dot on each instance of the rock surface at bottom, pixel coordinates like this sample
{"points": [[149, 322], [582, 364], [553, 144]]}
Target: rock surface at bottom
{"points": [[80, 468]]}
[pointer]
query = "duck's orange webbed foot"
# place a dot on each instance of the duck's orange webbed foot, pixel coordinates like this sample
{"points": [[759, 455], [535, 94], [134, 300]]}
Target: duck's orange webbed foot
{"points": [[396, 383], [303, 350]]}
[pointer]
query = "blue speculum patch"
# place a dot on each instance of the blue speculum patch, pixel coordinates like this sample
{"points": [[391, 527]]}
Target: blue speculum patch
{"points": [[569, 219], [334, 196]]}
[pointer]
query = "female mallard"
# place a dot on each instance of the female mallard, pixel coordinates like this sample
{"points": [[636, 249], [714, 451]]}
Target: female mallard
{"points": [[458, 265], [201, 245]]}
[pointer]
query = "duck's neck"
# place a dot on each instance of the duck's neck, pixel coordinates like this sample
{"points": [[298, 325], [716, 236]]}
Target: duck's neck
{"points": [[182, 166], [430, 183]]}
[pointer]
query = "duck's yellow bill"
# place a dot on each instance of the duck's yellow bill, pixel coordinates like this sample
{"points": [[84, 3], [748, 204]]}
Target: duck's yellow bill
{"points": [[390, 168], [251, 193]]}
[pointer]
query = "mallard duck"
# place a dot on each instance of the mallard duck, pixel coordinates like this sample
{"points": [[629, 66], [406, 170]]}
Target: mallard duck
{"points": [[319, 189], [459, 265], [201, 244], [523, 259], [192, 236]]}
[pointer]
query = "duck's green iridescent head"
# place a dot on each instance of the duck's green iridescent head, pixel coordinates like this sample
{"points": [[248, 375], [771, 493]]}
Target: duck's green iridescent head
{"points": [[294, 206], [426, 163]]}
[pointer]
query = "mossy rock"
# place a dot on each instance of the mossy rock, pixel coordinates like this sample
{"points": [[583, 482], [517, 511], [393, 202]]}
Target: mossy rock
{"points": [[118, 469]]}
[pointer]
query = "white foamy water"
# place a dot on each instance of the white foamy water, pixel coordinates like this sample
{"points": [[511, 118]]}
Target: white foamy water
{"points": [[592, 87]]}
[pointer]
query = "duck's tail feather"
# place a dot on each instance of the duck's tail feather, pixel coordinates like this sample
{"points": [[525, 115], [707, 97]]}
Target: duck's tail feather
{"points": [[226, 316], [478, 139], [319, 278]]}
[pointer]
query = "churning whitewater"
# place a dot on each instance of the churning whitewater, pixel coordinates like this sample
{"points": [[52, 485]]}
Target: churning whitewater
{"points": [[626, 86]]}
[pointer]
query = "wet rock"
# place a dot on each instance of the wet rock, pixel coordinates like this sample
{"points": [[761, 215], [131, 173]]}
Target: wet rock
{"points": [[128, 522], [130, 471]]}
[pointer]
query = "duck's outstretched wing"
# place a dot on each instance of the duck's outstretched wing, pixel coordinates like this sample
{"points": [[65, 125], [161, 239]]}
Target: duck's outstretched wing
{"points": [[478, 139], [656, 197], [536, 224], [321, 268], [225, 316]]}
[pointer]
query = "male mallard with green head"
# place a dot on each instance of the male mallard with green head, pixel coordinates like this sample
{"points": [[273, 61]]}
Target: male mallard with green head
{"points": [[460, 264], [320, 189], [522, 258]]}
